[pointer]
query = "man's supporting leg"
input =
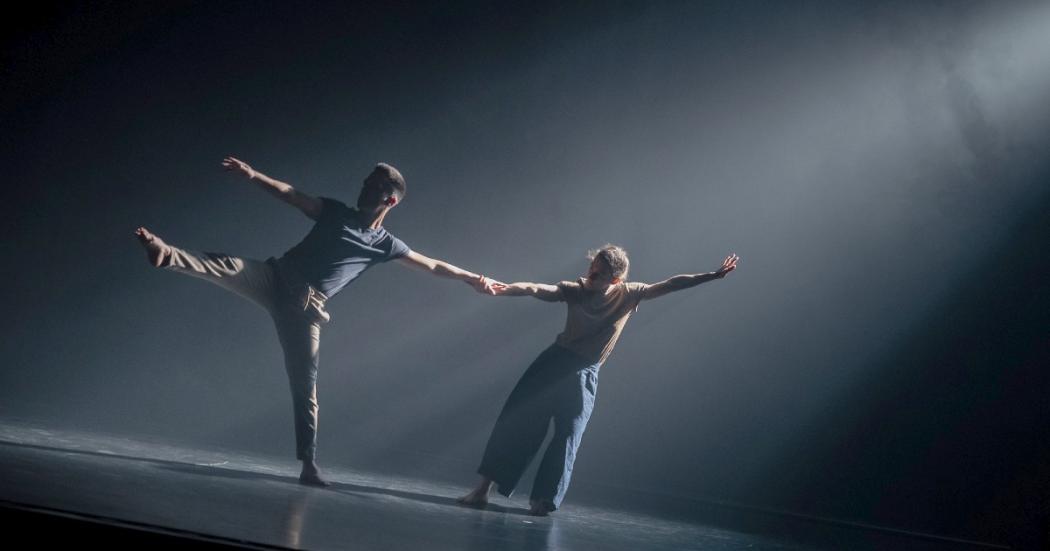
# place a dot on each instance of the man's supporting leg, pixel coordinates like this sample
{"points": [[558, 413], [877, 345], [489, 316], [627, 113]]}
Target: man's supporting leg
{"points": [[300, 340]]}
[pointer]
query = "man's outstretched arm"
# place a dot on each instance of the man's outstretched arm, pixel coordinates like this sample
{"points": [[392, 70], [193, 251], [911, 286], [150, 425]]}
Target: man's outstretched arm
{"points": [[542, 291], [441, 268], [679, 282], [308, 204]]}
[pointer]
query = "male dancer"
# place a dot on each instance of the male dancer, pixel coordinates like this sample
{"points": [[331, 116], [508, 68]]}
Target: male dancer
{"points": [[343, 243], [562, 382]]}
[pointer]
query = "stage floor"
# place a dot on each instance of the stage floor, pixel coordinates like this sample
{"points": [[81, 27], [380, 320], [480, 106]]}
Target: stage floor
{"points": [[233, 499]]}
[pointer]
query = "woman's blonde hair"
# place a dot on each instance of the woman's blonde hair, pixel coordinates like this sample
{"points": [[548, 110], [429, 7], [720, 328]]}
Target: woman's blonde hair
{"points": [[615, 257]]}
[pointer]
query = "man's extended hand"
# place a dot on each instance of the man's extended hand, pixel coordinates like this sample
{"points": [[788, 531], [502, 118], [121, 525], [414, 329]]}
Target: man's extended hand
{"points": [[237, 165], [728, 265]]}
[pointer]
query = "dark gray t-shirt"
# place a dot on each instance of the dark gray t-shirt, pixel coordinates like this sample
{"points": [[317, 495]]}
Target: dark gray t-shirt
{"points": [[339, 248]]}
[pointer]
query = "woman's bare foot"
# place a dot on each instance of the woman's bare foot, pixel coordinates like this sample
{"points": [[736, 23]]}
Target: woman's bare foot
{"points": [[479, 496], [156, 249], [540, 508]]}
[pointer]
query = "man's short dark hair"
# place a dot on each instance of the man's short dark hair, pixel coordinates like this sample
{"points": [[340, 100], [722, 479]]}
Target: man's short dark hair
{"points": [[388, 175]]}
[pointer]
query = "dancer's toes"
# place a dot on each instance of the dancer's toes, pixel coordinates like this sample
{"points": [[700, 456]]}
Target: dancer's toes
{"points": [[313, 480], [311, 475], [475, 498], [540, 508], [156, 249]]}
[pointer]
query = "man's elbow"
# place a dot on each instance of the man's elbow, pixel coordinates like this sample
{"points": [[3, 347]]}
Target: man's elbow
{"points": [[432, 266]]}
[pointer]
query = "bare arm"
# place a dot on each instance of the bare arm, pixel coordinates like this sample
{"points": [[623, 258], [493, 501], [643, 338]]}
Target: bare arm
{"points": [[542, 291], [441, 268], [679, 282], [308, 204]]}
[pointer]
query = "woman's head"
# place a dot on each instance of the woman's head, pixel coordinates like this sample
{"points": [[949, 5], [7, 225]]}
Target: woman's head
{"points": [[609, 266]]}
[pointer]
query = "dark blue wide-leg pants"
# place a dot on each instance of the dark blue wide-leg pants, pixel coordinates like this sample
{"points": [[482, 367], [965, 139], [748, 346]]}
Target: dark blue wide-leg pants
{"points": [[559, 385]]}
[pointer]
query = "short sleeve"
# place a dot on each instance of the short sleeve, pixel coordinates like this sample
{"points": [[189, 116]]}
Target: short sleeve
{"points": [[570, 291], [398, 249], [332, 208], [636, 289], [635, 293]]}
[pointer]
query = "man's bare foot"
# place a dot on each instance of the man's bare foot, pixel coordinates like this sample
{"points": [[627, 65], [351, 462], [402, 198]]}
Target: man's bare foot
{"points": [[156, 249], [540, 508], [479, 496], [311, 476], [313, 480]]}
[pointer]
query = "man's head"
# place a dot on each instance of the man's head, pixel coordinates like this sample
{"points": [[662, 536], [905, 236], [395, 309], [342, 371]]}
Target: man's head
{"points": [[609, 266], [383, 188]]}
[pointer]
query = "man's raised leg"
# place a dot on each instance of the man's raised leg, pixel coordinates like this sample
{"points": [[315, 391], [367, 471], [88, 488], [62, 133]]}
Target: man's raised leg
{"points": [[249, 278]]}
